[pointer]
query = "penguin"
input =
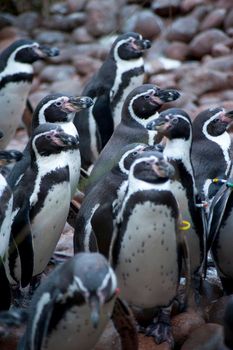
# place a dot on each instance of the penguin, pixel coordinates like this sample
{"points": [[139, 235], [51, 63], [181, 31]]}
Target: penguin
{"points": [[71, 308], [141, 106], [102, 200], [228, 324], [6, 206], [121, 72], [41, 201], [59, 109], [146, 249], [16, 74], [211, 148], [175, 125], [219, 242]]}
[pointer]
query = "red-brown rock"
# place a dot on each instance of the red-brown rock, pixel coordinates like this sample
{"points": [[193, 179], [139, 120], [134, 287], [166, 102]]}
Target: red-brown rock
{"points": [[214, 19], [183, 29]]}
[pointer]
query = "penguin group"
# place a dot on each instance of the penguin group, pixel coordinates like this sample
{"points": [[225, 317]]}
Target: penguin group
{"points": [[156, 201]]}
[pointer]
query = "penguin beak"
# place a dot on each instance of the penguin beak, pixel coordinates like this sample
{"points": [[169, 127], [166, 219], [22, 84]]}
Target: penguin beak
{"points": [[44, 51], [227, 117], [140, 45], [161, 124], [8, 157], [168, 95], [76, 104], [94, 304], [62, 139], [163, 169]]}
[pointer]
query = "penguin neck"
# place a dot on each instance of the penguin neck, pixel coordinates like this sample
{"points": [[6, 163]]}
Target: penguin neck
{"points": [[14, 67], [180, 150], [224, 142], [48, 163]]}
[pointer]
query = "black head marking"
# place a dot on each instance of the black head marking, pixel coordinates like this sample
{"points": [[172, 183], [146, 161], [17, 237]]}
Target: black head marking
{"points": [[152, 169], [57, 108], [174, 123], [130, 46], [144, 101], [50, 139], [212, 121]]}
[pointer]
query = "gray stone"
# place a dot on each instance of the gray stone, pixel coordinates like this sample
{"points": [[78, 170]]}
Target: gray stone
{"points": [[228, 22], [177, 51], [65, 23], [147, 24], [53, 73], [183, 29], [69, 86], [222, 64], [51, 36], [213, 19], [166, 8], [203, 43], [28, 21], [101, 17], [76, 5], [86, 66], [59, 8], [81, 36]]}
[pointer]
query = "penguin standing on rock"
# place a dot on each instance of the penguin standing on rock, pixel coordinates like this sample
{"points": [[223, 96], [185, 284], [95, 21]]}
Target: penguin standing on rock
{"points": [[211, 149], [175, 125], [145, 249], [102, 200], [59, 109], [16, 74], [120, 73], [41, 204], [140, 107], [71, 308]]}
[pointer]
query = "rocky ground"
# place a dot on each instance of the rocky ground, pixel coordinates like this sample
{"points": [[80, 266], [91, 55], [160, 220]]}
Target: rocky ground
{"points": [[192, 43]]}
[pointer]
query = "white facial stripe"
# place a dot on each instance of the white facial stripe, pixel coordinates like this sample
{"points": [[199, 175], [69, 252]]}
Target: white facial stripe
{"points": [[223, 140], [121, 162], [13, 67], [41, 115], [80, 284], [45, 299], [122, 67], [143, 122]]}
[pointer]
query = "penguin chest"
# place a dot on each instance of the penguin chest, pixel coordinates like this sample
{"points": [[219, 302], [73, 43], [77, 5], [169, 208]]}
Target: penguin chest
{"points": [[223, 247], [6, 205], [48, 223], [147, 267], [74, 163], [193, 240], [12, 101], [121, 93], [75, 330]]}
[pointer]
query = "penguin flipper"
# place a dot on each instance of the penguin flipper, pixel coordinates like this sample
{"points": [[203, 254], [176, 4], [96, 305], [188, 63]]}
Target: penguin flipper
{"points": [[5, 300], [125, 325], [21, 232], [43, 322], [103, 229], [216, 212]]}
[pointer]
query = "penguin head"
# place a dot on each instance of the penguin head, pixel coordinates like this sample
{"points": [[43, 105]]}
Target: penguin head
{"points": [[153, 169], [27, 51], [173, 123], [129, 46], [95, 280], [134, 151], [50, 139], [212, 122], [143, 103], [59, 108]]}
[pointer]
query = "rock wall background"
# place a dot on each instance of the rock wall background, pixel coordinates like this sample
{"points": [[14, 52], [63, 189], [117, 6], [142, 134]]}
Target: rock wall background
{"points": [[191, 50]]}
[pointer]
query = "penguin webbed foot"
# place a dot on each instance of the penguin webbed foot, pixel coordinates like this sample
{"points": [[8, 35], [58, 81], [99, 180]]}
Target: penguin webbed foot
{"points": [[160, 329]]}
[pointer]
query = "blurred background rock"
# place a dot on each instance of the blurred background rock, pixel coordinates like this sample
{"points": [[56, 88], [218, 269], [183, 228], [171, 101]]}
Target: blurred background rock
{"points": [[191, 50]]}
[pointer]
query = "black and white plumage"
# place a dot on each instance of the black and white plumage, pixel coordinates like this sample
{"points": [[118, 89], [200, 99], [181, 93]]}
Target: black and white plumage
{"points": [[59, 109], [211, 148], [121, 72], [175, 125], [16, 74], [6, 206], [41, 204], [95, 218], [72, 307], [145, 251], [140, 107]]}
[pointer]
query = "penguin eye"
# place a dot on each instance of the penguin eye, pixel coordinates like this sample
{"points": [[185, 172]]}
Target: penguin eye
{"points": [[58, 103], [216, 120], [146, 97], [135, 153]]}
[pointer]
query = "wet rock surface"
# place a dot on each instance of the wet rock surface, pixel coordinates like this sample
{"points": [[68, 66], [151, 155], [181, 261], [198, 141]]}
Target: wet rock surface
{"points": [[192, 43]]}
